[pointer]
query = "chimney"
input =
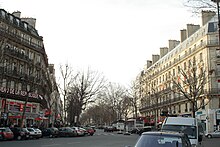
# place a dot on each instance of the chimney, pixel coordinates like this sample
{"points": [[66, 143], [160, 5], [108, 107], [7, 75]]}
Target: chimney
{"points": [[155, 58], [30, 21], [206, 16], [173, 44], [163, 51], [17, 14], [191, 29], [183, 35], [149, 63]]}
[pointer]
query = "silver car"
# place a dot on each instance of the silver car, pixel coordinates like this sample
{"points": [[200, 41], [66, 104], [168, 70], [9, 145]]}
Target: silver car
{"points": [[163, 139], [213, 134]]}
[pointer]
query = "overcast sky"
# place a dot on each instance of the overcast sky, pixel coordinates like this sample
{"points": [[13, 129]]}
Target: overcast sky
{"points": [[114, 37]]}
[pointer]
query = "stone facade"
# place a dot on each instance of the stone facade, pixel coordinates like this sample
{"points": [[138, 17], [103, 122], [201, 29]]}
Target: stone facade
{"points": [[199, 44]]}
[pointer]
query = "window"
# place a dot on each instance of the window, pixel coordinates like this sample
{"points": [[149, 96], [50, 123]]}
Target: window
{"points": [[189, 63], [179, 69], [173, 72], [31, 55], [12, 86], [38, 58], [21, 69], [194, 60], [200, 57], [218, 69], [186, 107], [184, 65], [218, 53]]}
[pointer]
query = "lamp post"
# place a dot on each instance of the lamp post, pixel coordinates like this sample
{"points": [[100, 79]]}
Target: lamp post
{"points": [[25, 106]]}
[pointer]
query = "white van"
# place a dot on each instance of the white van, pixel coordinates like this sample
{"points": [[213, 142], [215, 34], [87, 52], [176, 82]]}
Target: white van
{"points": [[187, 125]]}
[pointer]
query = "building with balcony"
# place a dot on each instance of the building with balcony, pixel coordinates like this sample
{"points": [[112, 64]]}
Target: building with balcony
{"points": [[198, 44], [54, 102], [25, 85]]}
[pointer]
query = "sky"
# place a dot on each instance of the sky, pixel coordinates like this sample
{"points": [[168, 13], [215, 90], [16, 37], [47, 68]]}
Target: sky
{"points": [[113, 37]]}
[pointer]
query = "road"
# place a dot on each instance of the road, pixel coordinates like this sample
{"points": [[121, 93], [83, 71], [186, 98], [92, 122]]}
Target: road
{"points": [[213, 142], [100, 139]]}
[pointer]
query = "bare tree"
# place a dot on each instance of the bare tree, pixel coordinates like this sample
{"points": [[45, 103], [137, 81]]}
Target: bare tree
{"points": [[197, 6], [114, 95], [67, 77], [191, 83], [84, 89], [134, 96]]}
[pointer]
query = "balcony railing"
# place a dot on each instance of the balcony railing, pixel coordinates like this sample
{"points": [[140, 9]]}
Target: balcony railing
{"points": [[20, 40], [177, 99]]}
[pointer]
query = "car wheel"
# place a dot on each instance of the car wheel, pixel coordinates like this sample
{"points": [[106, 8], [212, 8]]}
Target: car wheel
{"points": [[91, 134], [19, 138], [209, 136]]}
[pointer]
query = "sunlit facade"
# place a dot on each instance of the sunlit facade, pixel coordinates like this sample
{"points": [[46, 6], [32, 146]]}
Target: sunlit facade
{"points": [[197, 43]]}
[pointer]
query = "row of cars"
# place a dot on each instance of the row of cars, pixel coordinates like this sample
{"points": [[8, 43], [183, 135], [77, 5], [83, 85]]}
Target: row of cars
{"points": [[19, 133]]}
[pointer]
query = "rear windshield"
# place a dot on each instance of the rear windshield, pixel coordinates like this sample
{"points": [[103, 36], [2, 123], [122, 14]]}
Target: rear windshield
{"points": [[190, 131], [159, 141]]}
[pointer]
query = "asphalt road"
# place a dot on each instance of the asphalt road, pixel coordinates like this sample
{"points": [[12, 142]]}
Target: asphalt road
{"points": [[100, 139]]}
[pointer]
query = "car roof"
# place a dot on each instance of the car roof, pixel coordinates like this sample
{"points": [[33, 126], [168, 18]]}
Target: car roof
{"points": [[166, 133]]}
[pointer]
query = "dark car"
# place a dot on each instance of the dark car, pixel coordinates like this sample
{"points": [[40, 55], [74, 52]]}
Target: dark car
{"points": [[163, 139], [67, 132], [50, 132], [109, 129], [6, 134], [20, 133], [146, 129]]}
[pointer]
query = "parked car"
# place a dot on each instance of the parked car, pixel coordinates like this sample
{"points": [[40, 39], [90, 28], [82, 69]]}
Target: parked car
{"points": [[50, 132], [67, 132], [34, 133], [135, 131], [79, 132], [6, 134], [163, 139], [213, 134], [85, 132], [20, 133], [109, 129], [39, 132], [90, 130], [146, 129]]}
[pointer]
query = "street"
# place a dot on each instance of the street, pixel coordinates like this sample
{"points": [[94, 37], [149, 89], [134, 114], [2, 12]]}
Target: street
{"points": [[100, 139], [213, 142]]}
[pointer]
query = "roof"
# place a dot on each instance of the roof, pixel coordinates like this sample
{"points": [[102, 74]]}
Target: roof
{"points": [[180, 121], [167, 133]]}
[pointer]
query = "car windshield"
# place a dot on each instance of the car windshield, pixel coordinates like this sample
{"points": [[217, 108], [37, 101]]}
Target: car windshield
{"points": [[158, 141], [25, 129], [189, 130]]}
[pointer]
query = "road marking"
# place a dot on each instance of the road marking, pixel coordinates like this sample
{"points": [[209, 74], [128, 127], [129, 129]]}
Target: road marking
{"points": [[73, 142], [50, 145]]}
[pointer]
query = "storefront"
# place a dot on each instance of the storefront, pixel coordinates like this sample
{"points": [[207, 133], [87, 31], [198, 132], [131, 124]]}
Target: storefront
{"points": [[14, 110]]}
